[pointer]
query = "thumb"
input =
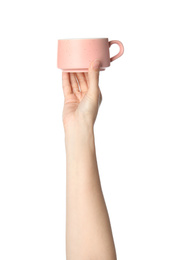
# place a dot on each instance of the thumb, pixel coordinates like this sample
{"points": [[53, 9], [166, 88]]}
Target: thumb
{"points": [[93, 76]]}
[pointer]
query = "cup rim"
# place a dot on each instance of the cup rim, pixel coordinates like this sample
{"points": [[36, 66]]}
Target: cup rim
{"points": [[82, 39]]}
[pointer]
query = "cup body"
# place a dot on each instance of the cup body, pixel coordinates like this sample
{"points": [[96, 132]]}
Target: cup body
{"points": [[75, 55]]}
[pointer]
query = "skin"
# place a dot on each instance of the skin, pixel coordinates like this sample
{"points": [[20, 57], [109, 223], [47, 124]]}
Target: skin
{"points": [[88, 230]]}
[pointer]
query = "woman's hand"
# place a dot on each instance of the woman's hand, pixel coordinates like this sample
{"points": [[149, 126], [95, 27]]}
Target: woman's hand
{"points": [[82, 97]]}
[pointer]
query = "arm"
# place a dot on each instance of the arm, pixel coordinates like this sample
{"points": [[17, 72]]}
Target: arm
{"points": [[88, 230]]}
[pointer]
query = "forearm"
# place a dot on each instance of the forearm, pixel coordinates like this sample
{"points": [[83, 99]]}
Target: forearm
{"points": [[88, 230]]}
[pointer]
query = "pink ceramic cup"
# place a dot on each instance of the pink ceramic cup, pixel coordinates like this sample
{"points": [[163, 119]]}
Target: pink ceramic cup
{"points": [[75, 55]]}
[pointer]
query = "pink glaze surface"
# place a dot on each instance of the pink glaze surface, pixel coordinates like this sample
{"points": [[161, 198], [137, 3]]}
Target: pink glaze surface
{"points": [[75, 55]]}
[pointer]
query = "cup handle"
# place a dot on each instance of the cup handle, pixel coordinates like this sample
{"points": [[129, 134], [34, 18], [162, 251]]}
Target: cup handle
{"points": [[120, 52]]}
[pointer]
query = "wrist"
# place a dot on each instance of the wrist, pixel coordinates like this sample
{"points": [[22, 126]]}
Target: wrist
{"points": [[79, 135], [79, 125], [78, 130]]}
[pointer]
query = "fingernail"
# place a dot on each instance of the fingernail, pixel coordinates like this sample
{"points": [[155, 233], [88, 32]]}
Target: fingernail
{"points": [[96, 64]]}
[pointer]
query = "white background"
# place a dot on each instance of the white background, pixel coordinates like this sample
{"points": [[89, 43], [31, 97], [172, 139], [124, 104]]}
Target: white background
{"points": [[134, 129]]}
